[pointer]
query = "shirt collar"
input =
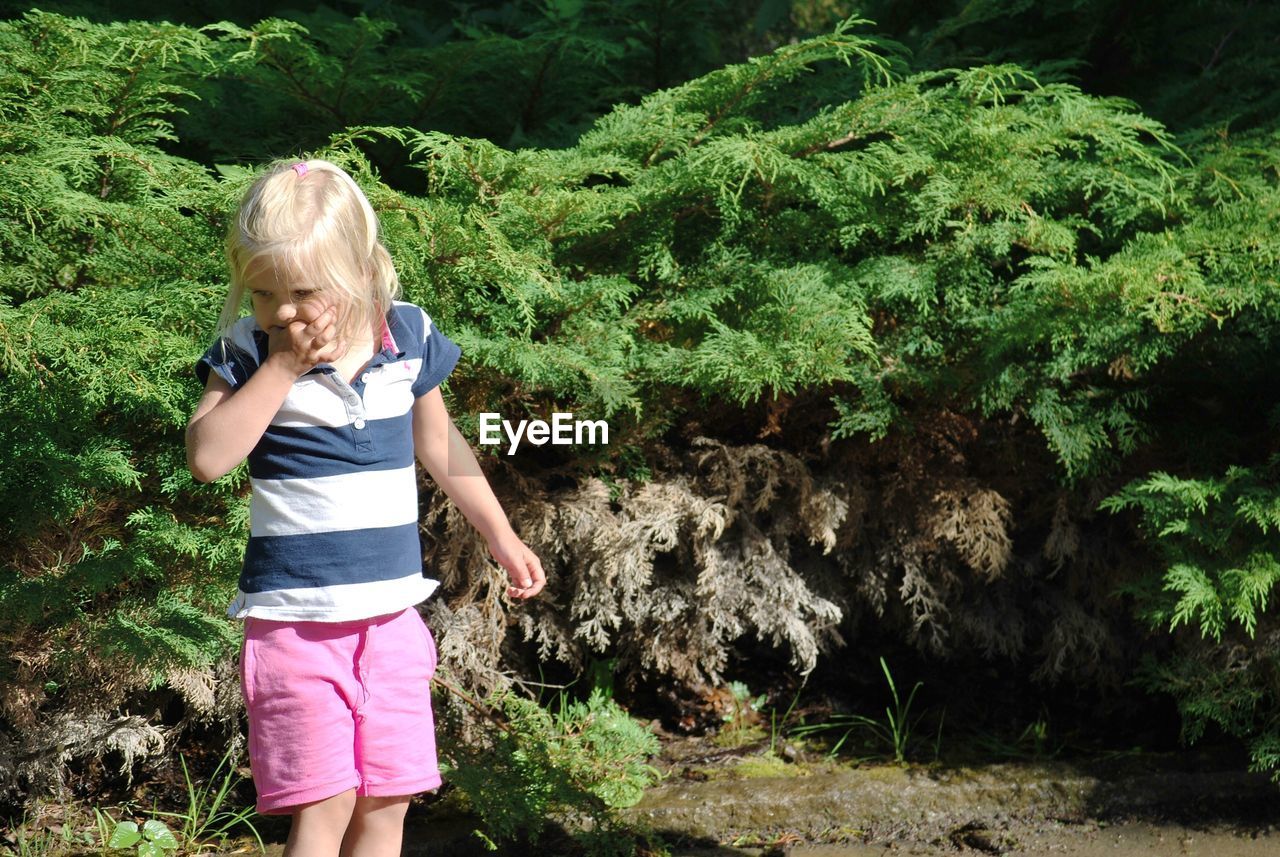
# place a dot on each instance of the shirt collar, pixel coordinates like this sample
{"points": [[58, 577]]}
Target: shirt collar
{"points": [[389, 346]]}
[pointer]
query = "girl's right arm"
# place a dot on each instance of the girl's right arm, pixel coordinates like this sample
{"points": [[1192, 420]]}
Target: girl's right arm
{"points": [[228, 423]]}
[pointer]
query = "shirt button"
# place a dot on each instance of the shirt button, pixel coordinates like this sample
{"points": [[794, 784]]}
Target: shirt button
{"points": [[353, 399], [359, 424], [364, 379]]}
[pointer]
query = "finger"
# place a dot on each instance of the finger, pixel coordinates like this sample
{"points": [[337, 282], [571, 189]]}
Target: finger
{"points": [[331, 351], [324, 336], [523, 594], [312, 317], [535, 567], [530, 578], [535, 570], [518, 585], [311, 310], [520, 577], [323, 320]]}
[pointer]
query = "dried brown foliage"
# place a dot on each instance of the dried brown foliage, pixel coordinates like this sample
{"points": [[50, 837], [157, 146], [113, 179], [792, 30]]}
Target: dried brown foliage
{"points": [[729, 543]]}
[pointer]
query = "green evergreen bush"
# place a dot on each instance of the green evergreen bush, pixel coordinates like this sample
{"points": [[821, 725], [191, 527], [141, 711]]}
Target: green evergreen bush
{"points": [[873, 342]]}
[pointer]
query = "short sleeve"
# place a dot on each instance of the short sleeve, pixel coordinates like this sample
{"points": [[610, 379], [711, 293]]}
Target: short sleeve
{"points": [[233, 357], [439, 355]]}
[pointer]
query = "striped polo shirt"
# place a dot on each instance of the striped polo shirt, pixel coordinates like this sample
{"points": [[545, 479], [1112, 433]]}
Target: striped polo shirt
{"points": [[333, 529]]}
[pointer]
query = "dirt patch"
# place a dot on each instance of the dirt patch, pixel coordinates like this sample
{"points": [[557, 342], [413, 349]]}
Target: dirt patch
{"points": [[1166, 804]]}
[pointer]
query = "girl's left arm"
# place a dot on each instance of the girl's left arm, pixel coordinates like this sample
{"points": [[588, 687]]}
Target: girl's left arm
{"points": [[447, 456]]}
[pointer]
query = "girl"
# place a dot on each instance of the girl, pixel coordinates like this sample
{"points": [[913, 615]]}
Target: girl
{"points": [[329, 388]]}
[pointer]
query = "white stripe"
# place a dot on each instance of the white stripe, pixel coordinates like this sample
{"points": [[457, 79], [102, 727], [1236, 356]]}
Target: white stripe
{"points": [[343, 602], [312, 402], [367, 499], [320, 400], [389, 391]]}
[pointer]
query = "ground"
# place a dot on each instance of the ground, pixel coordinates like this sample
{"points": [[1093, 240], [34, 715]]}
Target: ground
{"points": [[763, 799], [780, 800]]}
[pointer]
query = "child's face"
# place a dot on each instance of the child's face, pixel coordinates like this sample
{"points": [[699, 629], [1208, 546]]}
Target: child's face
{"points": [[279, 298]]}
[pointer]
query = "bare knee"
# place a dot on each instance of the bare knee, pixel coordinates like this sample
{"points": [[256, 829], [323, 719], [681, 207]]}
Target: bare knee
{"points": [[318, 827], [381, 809], [377, 827], [336, 809]]}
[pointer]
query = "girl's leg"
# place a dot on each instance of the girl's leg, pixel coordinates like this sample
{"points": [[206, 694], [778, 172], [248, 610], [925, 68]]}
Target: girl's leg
{"points": [[318, 828], [376, 828]]}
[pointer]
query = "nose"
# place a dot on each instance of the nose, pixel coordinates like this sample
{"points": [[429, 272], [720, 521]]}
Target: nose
{"points": [[285, 311]]}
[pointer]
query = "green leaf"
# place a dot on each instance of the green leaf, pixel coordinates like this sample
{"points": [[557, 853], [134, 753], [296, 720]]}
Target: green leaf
{"points": [[125, 835], [157, 832]]}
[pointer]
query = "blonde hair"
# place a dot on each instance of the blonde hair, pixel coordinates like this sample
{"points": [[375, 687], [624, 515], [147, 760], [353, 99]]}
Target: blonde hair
{"points": [[311, 220]]}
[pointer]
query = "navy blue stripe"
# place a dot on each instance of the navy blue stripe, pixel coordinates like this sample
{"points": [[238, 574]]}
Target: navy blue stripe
{"points": [[439, 355], [328, 559], [406, 327], [313, 451]]}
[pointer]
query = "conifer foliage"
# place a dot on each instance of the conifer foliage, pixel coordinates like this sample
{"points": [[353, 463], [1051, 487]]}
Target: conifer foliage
{"points": [[872, 351], [113, 570]]}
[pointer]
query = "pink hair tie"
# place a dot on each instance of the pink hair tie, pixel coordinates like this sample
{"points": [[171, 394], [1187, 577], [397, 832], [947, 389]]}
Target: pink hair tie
{"points": [[300, 168]]}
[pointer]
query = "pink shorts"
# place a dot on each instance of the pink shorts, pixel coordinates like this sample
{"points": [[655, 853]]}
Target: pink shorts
{"points": [[339, 705]]}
